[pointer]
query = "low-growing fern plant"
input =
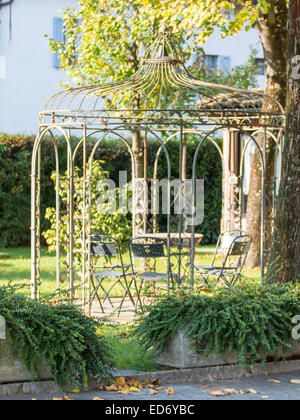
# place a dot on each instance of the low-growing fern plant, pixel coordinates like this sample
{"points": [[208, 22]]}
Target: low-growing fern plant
{"points": [[255, 321], [61, 336]]}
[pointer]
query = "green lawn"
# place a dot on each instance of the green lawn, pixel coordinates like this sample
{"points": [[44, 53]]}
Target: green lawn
{"points": [[17, 268]]}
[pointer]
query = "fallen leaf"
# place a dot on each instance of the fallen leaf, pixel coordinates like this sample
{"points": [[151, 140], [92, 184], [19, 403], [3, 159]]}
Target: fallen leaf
{"points": [[155, 382], [152, 392], [295, 381], [137, 384], [134, 389], [170, 391], [205, 386], [230, 391], [274, 381], [112, 387], [67, 398], [251, 391], [98, 399], [265, 397], [130, 381], [75, 391], [217, 392], [120, 381], [124, 391]]}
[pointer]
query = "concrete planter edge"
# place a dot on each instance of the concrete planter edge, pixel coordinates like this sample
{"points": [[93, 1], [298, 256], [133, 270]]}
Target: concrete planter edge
{"points": [[12, 369], [179, 354]]}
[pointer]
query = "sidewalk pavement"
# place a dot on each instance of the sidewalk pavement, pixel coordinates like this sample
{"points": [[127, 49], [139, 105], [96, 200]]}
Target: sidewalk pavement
{"points": [[277, 387]]}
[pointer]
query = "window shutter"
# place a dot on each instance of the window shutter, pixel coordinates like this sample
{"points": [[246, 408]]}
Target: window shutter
{"points": [[58, 36], [225, 62]]}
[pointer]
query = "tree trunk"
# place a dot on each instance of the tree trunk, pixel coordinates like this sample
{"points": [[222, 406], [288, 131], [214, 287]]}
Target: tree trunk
{"points": [[273, 34], [138, 153], [286, 241]]}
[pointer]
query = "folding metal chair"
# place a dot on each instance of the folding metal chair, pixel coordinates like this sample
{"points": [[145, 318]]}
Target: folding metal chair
{"points": [[232, 247], [107, 249], [148, 248]]}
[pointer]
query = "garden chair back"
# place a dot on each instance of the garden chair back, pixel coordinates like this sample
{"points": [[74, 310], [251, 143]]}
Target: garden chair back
{"points": [[233, 246], [110, 271], [149, 249]]}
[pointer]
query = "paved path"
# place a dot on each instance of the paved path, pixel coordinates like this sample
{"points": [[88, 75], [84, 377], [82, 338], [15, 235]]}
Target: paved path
{"points": [[193, 391]]}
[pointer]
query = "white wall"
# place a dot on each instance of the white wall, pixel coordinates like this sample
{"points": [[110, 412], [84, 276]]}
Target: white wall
{"points": [[30, 78], [30, 75], [237, 47]]}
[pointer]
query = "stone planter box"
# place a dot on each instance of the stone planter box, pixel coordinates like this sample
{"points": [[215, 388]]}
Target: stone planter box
{"points": [[13, 369], [179, 354]]}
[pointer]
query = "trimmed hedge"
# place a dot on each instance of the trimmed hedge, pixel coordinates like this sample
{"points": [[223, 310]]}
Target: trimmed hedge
{"points": [[15, 169]]}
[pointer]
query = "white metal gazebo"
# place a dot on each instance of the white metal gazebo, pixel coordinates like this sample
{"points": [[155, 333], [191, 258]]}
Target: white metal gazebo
{"points": [[162, 101]]}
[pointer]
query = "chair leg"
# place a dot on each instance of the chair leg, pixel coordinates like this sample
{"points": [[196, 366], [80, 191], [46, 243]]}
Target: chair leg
{"points": [[235, 280], [127, 292], [107, 297], [95, 294], [138, 293]]}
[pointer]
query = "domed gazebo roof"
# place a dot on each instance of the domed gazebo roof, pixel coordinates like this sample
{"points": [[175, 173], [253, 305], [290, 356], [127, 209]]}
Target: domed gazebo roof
{"points": [[162, 92]]}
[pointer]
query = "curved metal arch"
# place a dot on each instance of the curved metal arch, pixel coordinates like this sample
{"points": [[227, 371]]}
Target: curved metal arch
{"points": [[34, 163], [207, 137], [193, 191], [258, 148], [91, 160], [80, 143], [57, 207], [42, 135], [99, 141], [275, 138], [263, 170], [132, 156], [278, 145], [144, 128], [185, 131]]}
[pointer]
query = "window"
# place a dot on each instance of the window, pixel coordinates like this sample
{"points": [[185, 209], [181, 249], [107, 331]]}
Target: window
{"points": [[211, 61], [260, 64], [225, 63]]}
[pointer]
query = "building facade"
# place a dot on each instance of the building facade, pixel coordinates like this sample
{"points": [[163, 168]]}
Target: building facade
{"points": [[29, 71], [28, 75]]}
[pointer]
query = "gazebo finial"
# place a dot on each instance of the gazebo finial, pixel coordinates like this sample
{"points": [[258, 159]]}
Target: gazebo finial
{"points": [[165, 30]]}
